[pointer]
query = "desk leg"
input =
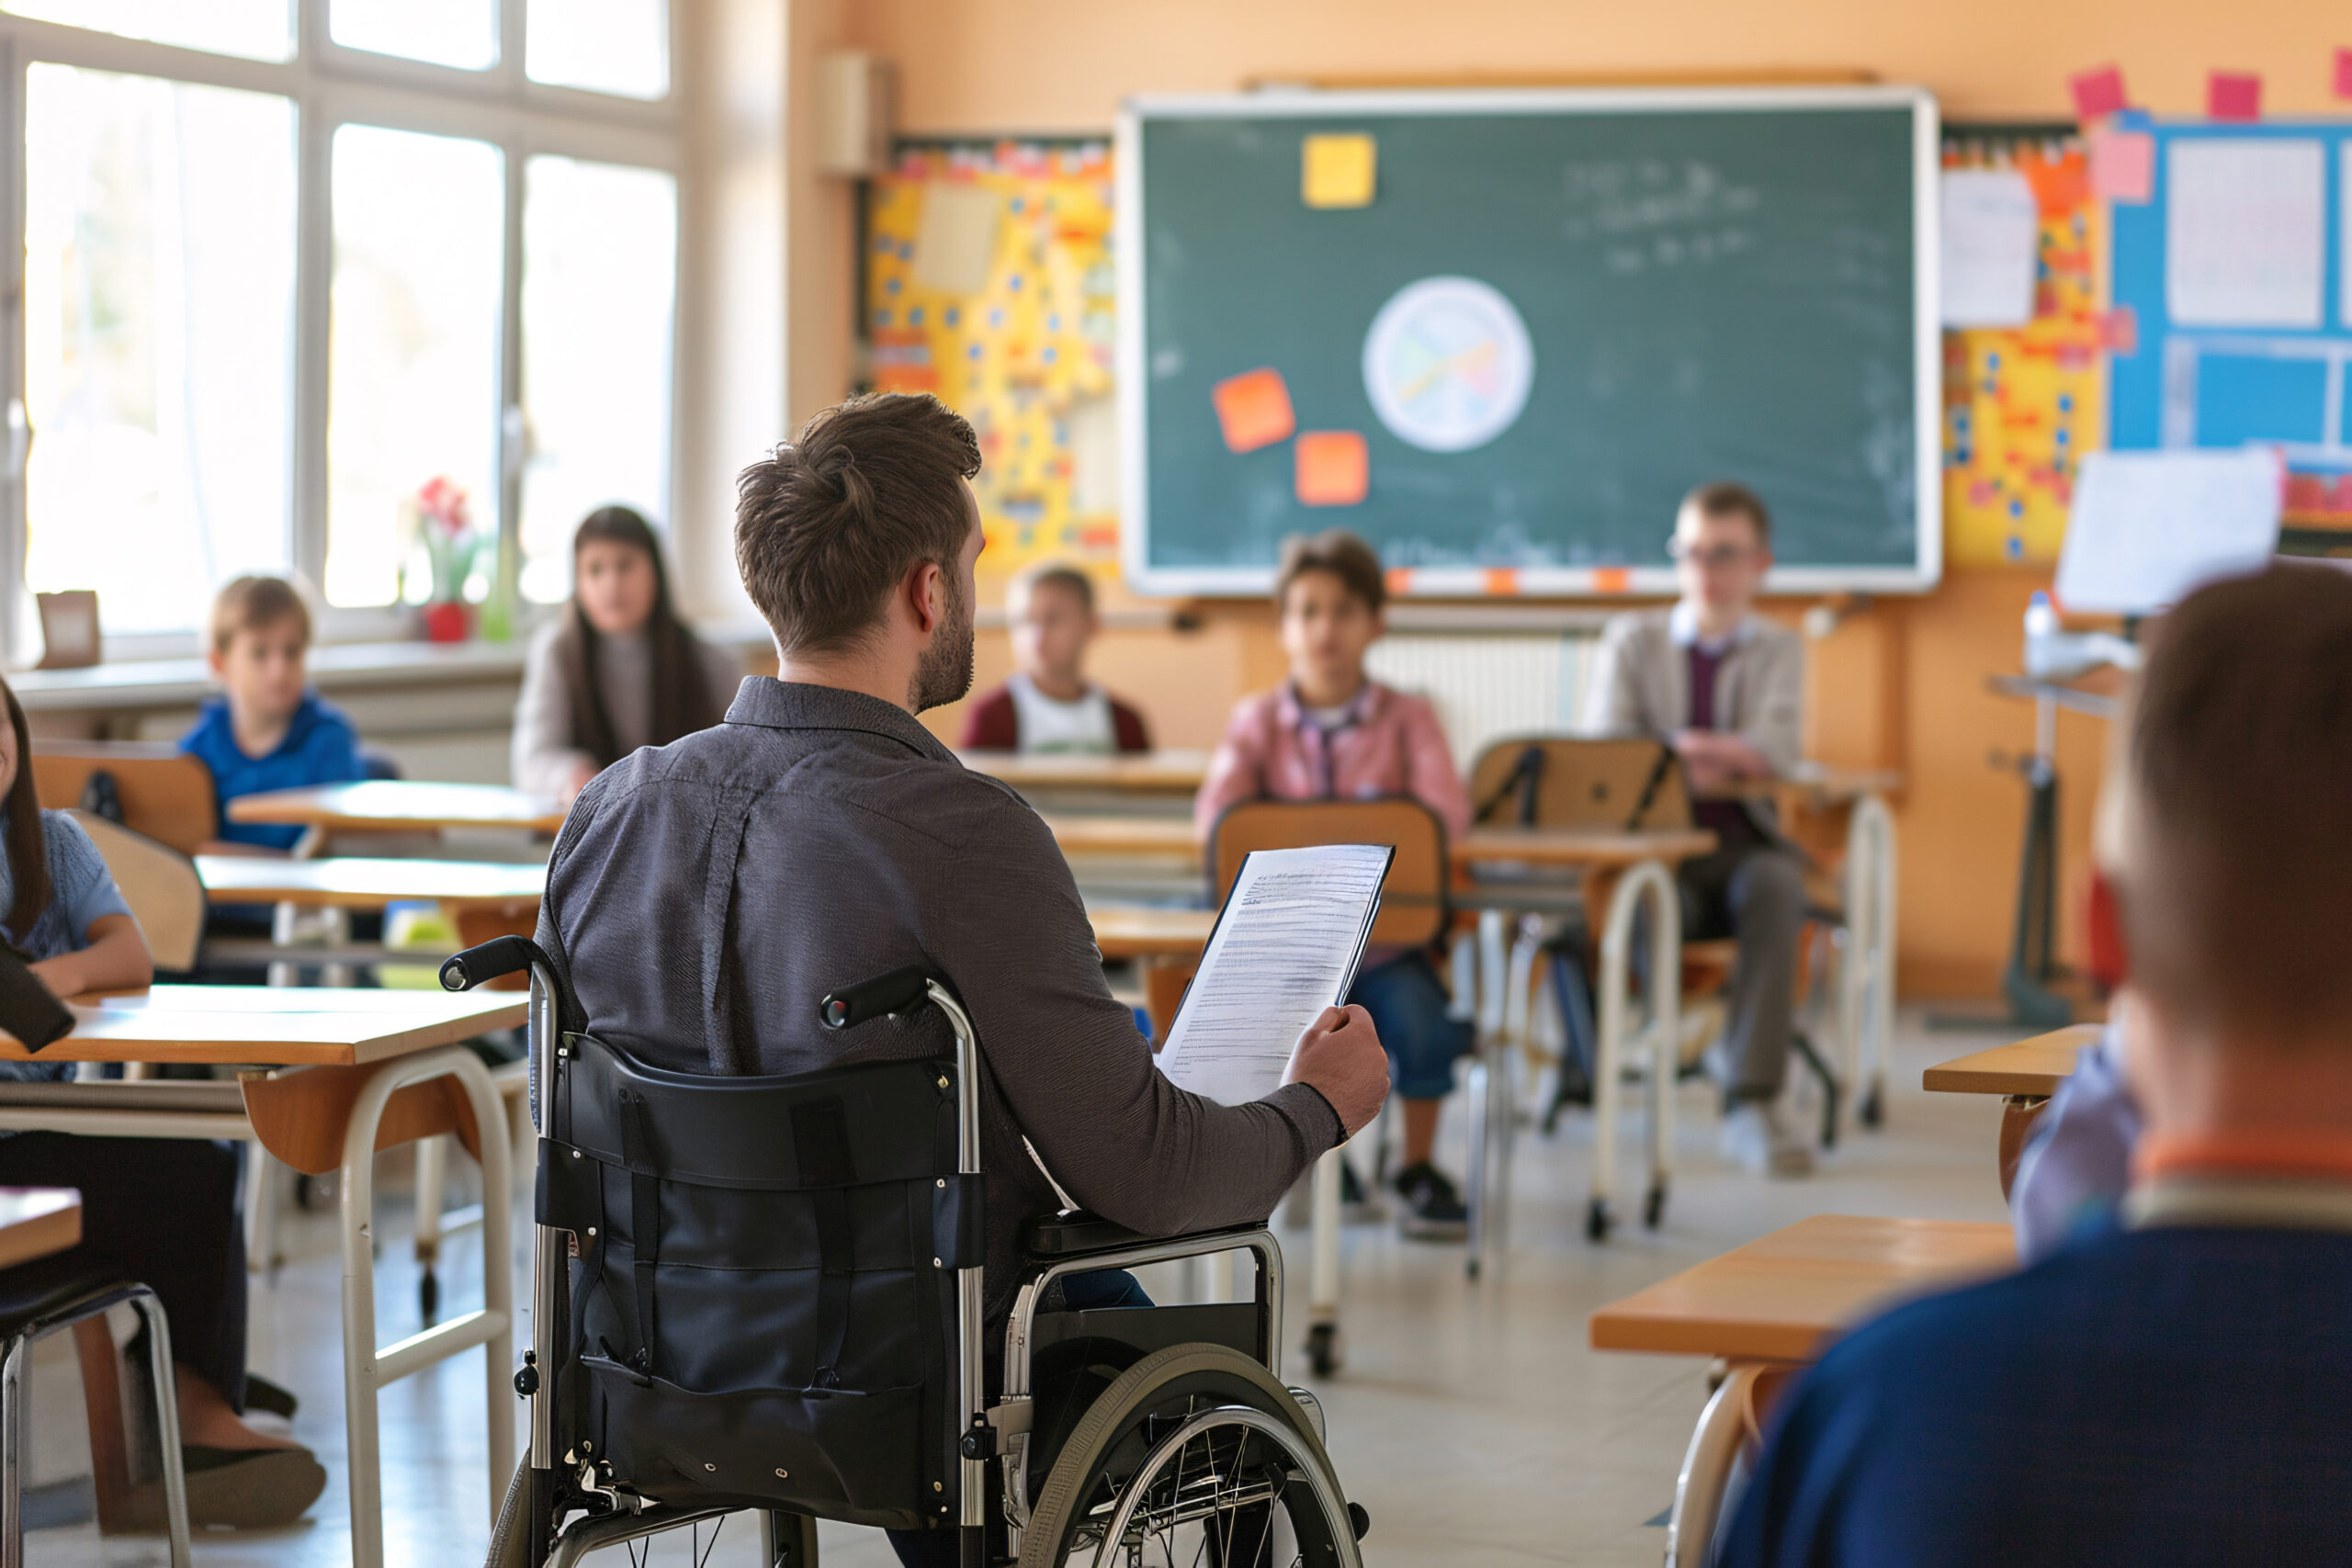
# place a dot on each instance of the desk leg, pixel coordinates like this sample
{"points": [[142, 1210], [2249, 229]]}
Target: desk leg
{"points": [[1323, 1350], [366, 1368], [1866, 979], [2020, 1112], [1650, 880], [1706, 1467]]}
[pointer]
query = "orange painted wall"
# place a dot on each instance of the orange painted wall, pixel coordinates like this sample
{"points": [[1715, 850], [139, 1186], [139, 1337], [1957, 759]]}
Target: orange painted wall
{"points": [[1902, 684]]}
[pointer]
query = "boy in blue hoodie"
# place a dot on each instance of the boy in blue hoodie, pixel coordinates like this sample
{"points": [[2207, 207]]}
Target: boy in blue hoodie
{"points": [[266, 729]]}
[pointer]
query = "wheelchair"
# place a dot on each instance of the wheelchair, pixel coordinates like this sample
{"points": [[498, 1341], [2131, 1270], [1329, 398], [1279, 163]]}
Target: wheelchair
{"points": [[764, 1295]]}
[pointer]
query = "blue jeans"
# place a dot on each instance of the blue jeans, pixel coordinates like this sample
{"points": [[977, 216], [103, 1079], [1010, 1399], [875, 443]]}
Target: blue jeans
{"points": [[1081, 1292], [1408, 1004]]}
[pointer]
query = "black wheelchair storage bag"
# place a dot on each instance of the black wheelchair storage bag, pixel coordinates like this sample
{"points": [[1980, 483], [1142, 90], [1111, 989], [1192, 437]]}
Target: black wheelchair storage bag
{"points": [[763, 1302]]}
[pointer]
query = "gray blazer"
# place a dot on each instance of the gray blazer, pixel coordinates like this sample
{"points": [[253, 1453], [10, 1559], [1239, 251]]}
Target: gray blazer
{"points": [[1640, 684]]}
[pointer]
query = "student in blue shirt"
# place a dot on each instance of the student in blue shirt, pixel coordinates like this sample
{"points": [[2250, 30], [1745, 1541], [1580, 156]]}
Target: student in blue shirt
{"points": [[2170, 1390], [266, 729], [161, 1210]]}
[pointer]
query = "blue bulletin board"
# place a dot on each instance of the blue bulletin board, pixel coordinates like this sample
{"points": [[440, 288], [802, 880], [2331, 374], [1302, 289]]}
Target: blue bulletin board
{"points": [[2233, 320]]}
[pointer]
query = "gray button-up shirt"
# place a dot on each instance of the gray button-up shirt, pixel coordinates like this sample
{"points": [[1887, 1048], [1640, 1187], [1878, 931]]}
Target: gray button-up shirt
{"points": [[704, 895]]}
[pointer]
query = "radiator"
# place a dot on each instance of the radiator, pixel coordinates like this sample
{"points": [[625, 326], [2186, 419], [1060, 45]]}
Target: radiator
{"points": [[1486, 684]]}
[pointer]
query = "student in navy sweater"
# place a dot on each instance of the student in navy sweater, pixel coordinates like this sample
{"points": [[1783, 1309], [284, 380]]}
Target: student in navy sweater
{"points": [[266, 729], [2171, 1390]]}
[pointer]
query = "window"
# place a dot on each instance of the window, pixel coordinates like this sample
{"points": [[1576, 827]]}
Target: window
{"points": [[258, 29], [600, 276], [159, 263], [412, 351], [602, 46], [462, 33], [267, 299]]}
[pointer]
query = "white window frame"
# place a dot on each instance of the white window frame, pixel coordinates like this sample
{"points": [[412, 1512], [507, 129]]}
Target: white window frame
{"points": [[331, 87]]}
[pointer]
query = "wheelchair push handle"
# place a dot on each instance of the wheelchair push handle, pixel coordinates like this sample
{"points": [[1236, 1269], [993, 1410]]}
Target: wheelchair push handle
{"points": [[480, 965], [900, 990]]}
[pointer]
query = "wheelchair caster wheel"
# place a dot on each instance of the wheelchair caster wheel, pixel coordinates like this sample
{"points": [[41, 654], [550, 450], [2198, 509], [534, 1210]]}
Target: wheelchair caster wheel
{"points": [[1360, 1520], [1871, 1112], [1324, 1350], [1596, 1220], [1654, 1206], [428, 1296]]}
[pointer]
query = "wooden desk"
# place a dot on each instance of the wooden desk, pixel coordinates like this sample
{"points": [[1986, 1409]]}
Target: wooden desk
{"points": [[399, 806], [38, 1221], [1779, 1301], [1124, 930], [1140, 772], [372, 1069], [2025, 1073], [1122, 834], [352, 882]]}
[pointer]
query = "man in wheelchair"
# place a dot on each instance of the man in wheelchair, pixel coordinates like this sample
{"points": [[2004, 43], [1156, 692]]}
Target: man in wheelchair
{"points": [[807, 984]]}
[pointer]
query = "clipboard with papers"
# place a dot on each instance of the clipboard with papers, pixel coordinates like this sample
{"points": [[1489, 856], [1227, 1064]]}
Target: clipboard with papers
{"points": [[1285, 946]]}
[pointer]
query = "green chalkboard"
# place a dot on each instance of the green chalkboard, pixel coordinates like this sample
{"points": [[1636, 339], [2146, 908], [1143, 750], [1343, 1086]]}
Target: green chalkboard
{"points": [[1556, 313]]}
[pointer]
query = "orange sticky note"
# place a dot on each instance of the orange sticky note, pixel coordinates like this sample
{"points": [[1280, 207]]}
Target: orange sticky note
{"points": [[1334, 468], [1253, 408], [1399, 579], [1611, 580], [1498, 580], [1337, 170]]}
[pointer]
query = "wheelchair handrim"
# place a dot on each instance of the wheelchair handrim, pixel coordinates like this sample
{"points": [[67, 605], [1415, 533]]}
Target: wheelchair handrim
{"points": [[1173, 1447]]}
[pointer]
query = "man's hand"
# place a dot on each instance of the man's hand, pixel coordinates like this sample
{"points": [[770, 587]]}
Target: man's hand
{"points": [[1717, 760], [1340, 1056]]}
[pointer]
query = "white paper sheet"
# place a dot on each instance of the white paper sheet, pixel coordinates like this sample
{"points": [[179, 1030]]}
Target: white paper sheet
{"points": [[1285, 948], [2245, 242], [956, 242], [1992, 228], [2149, 526]]}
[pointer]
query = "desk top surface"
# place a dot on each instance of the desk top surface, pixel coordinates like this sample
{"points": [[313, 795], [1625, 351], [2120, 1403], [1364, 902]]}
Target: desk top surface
{"points": [[1126, 931], [272, 1026], [2035, 1066], [1152, 772], [354, 882], [399, 806], [1138, 835], [38, 1221], [1785, 1296]]}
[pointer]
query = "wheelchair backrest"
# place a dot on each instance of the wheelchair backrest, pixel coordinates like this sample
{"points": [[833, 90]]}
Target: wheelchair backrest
{"points": [[762, 1301]]}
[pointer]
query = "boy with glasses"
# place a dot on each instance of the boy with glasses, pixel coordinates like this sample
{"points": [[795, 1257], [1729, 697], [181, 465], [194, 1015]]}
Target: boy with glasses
{"points": [[1726, 688]]}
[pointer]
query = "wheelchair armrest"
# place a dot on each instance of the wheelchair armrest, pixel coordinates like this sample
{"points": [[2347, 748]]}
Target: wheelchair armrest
{"points": [[1075, 1232]]}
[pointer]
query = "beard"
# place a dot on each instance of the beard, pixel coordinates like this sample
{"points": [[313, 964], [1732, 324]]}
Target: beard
{"points": [[944, 672]]}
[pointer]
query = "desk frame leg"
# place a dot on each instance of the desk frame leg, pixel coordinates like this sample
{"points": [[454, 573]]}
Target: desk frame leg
{"points": [[1706, 1468], [1323, 1346], [1649, 879], [1866, 978], [367, 1368]]}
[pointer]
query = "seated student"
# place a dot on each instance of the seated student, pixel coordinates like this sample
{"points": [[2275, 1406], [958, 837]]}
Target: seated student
{"points": [[1726, 688], [1047, 705], [702, 896], [1332, 732], [161, 1210], [2172, 1391], [618, 669], [266, 729]]}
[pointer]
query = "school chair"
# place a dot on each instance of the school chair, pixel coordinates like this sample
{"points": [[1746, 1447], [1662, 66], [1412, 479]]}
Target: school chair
{"points": [[1414, 913], [157, 790], [160, 886]]}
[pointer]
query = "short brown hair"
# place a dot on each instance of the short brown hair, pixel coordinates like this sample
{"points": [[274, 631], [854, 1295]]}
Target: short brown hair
{"points": [[2234, 886], [826, 526], [1342, 554], [1728, 498], [1059, 575], [254, 603]]}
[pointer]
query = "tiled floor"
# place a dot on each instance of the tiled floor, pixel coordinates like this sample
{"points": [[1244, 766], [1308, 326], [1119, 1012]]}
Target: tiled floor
{"points": [[1470, 1417]]}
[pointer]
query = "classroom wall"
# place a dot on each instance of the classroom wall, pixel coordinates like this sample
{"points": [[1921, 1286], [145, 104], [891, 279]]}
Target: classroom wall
{"points": [[1901, 684]]}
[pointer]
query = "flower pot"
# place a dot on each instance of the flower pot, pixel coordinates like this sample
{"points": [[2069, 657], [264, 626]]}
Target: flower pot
{"points": [[448, 620]]}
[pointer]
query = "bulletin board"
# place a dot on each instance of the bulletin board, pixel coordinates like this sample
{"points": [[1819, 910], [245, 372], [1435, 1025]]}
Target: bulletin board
{"points": [[2232, 277], [2022, 403], [986, 279]]}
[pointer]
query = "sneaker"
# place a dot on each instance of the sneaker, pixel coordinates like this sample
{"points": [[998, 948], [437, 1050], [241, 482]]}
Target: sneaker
{"points": [[1754, 1139], [1357, 1207], [1433, 1209]]}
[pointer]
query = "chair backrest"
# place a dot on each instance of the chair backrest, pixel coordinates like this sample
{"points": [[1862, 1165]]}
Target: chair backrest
{"points": [[793, 1243], [1412, 901], [159, 883], [165, 794], [1560, 781]]}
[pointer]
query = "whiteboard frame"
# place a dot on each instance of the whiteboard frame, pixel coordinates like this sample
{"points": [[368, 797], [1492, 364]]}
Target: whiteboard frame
{"points": [[1134, 486]]}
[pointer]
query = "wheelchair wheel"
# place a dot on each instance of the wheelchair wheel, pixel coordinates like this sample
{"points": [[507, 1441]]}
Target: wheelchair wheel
{"points": [[1194, 1455]]}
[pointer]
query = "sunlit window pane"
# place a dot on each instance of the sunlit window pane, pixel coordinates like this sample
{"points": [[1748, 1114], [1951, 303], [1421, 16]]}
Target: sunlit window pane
{"points": [[159, 289], [258, 29], [463, 33], [600, 274], [603, 46], [412, 351]]}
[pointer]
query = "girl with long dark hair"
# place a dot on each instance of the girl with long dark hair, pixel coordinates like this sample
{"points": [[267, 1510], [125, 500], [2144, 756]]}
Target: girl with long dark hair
{"points": [[618, 669]]}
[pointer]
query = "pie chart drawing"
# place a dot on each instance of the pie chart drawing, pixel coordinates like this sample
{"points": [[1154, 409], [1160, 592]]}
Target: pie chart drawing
{"points": [[1447, 364]]}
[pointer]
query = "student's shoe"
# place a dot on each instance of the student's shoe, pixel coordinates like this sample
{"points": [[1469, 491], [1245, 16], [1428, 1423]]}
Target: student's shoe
{"points": [[269, 1398], [1754, 1139], [1433, 1209], [249, 1489], [1358, 1207]]}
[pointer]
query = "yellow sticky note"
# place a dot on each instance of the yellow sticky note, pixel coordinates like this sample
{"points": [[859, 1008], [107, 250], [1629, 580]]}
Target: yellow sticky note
{"points": [[1337, 171]]}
